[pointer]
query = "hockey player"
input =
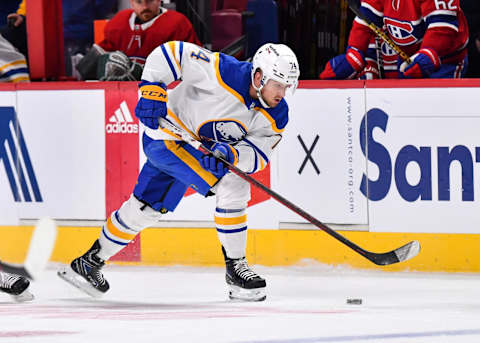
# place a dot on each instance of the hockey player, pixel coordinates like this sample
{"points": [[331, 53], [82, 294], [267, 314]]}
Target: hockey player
{"points": [[16, 286], [433, 32], [235, 108], [13, 66], [130, 36]]}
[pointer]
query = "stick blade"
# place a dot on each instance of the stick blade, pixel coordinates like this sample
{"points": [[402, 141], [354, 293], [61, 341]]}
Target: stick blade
{"points": [[41, 246], [407, 251], [404, 253]]}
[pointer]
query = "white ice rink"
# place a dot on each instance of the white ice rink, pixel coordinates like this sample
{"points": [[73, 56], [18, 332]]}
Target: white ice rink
{"points": [[304, 304]]}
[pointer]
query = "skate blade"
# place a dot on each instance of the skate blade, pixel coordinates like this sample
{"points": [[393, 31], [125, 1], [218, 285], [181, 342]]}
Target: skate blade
{"points": [[23, 297], [79, 282], [242, 294]]}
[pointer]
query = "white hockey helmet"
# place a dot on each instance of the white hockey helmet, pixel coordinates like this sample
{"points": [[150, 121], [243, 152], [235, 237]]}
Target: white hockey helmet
{"points": [[277, 62]]}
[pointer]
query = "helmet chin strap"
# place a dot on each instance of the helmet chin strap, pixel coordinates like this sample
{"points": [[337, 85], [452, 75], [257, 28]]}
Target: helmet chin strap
{"points": [[259, 94], [260, 98]]}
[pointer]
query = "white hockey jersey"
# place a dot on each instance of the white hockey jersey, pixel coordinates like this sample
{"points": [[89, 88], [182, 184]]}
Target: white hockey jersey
{"points": [[212, 102], [13, 66]]}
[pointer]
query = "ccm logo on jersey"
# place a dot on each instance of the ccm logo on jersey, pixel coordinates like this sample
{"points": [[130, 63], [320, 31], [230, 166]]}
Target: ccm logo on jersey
{"points": [[401, 32], [153, 92], [122, 121]]}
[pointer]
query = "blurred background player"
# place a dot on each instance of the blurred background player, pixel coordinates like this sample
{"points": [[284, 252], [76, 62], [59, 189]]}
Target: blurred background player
{"points": [[235, 108], [13, 65], [130, 36], [16, 286], [78, 19], [433, 33], [16, 29]]}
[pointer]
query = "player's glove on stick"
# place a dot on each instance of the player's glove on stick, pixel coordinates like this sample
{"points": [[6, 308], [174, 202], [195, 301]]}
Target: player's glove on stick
{"points": [[152, 104], [345, 66], [424, 63], [216, 167]]}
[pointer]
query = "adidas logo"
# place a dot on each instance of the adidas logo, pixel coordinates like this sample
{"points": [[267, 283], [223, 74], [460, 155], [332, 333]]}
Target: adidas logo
{"points": [[121, 121]]}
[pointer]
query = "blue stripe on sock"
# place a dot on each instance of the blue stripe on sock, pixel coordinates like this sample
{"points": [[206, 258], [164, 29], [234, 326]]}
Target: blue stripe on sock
{"points": [[111, 239], [117, 217], [224, 210], [232, 231]]}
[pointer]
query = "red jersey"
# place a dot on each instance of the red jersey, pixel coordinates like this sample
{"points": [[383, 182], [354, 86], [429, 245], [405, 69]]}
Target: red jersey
{"points": [[413, 25], [137, 41]]}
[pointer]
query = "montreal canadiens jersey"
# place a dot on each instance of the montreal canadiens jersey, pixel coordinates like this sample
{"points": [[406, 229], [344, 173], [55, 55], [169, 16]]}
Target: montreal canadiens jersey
{"points": [[212, 102], [137, 41], [412, 25]]}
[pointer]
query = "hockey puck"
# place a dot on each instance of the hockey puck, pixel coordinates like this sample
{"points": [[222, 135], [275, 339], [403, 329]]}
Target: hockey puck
{"points": [[354, 301]]}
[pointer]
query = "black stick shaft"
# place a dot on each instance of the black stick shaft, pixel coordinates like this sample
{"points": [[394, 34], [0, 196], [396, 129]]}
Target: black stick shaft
{"points": [[397, 255]]}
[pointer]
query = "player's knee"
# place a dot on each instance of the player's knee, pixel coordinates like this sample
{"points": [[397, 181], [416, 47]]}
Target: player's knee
{"points": [[137, 215], [232, 192]]}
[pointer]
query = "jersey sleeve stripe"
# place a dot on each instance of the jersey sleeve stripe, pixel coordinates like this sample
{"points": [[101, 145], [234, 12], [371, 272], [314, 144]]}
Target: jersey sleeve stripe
{"points": [[372, 9], [442, 19], [373, 14], [453, 27], [256, 149], [180, 48], [172, 46], [14, 63], [360, 21], [19, 79], [270, 119], [222, 83], [442, 12], [169, 61]]}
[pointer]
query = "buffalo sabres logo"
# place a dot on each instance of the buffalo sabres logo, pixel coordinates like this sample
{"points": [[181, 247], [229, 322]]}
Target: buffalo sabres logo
{"points": [[227, 131], [400, 31]]}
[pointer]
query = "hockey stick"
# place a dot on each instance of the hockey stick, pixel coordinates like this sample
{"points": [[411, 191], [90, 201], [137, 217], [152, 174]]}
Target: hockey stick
{"points": [[378, 50], [378, 31], [401, 254], [39, 251]]}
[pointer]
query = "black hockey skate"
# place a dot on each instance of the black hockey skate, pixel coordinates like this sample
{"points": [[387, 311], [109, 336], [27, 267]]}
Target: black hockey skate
{"points": [[16, 286], [84, 273], [243, 283]]}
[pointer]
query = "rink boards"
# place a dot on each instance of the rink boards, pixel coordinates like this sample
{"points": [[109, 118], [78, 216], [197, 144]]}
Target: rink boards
{"points": [[383, 161]]}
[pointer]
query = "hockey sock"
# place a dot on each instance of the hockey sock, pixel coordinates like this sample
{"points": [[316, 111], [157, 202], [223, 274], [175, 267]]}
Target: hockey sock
{"points": [[124, 224], [231, 227]]}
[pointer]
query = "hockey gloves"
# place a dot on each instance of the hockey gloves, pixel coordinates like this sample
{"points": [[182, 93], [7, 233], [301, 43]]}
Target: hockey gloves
{"points": [[216, 167], [345, 66], [152, 104], [424, 63]]}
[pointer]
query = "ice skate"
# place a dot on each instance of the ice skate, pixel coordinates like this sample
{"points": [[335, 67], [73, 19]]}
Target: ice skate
{"points": [[16, 286], [243, 283], [84, 273]]}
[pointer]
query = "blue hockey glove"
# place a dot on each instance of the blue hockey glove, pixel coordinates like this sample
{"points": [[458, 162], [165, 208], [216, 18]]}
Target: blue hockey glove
{"points": [[152, 104], [216, 167], [424, 63], [345, 66]]}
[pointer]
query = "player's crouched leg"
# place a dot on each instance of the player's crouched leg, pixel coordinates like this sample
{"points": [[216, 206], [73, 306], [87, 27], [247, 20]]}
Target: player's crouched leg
{"points": [[233, 194], [120, 228]]}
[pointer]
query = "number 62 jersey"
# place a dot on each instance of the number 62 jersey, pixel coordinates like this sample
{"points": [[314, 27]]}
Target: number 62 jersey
{"points": [[415, 25], [213, 104]]}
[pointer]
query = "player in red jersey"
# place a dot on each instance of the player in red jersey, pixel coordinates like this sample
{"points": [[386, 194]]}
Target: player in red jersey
{"points": [[130, 36], [139, 30], [433, 32]]}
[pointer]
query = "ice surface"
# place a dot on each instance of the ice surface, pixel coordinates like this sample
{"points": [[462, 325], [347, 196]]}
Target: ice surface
{"points": [[304, 304]]}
